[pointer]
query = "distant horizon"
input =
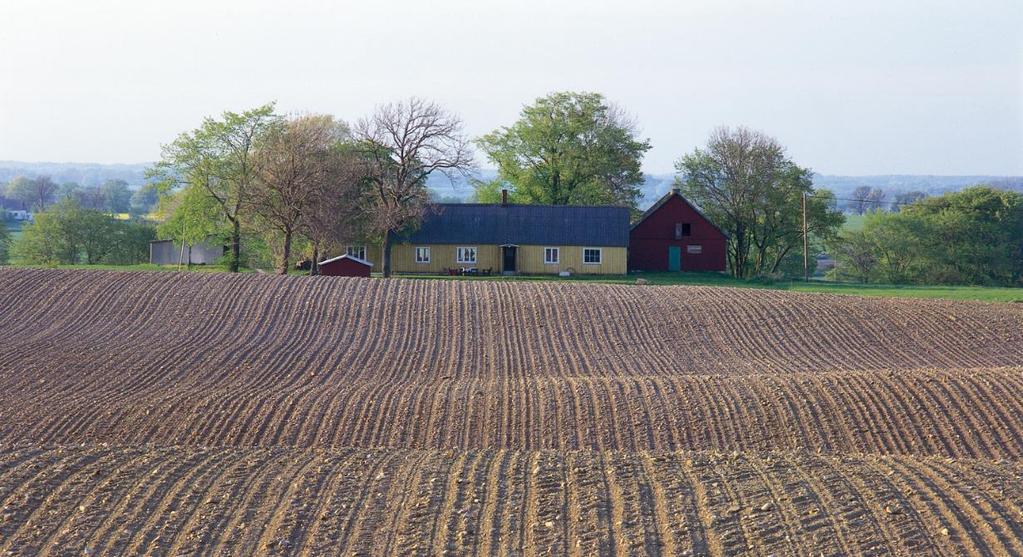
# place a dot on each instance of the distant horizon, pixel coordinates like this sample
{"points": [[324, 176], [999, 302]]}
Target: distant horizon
{"points": [[864, 88], [645, 171]]}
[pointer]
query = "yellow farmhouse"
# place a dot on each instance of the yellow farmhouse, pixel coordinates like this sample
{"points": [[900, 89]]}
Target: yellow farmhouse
{"points": [[512, 239]]}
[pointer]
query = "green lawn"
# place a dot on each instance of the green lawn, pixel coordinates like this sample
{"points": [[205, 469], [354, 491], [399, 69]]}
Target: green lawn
{"points": [[980, 293], [13, 228], [853, 223], [143, 267]]}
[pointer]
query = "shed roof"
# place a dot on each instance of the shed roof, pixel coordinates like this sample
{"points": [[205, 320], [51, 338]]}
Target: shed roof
{"points": [[564, 225], [346, 256]]}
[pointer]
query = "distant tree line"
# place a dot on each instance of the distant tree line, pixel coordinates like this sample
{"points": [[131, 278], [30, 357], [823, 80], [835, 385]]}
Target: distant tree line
{"points": [[974, 236], [864, 199], [113, 196], [73, 224], [67, 233], [746, 184], [275, 188]]}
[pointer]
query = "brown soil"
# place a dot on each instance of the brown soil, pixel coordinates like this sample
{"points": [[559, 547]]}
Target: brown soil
{"points": [[193, 413]]}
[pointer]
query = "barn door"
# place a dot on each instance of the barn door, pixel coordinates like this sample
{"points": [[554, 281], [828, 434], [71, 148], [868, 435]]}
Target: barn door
{"points": [[674, 258]]}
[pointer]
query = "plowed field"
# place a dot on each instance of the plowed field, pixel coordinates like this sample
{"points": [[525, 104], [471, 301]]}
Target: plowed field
{"points": [[209, 413]]}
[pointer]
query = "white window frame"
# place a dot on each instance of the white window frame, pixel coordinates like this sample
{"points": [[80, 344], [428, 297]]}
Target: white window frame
{"points": [[694, 249], [357, 251], [600, 256], [425, 250], [557, 255], [461, 251]]}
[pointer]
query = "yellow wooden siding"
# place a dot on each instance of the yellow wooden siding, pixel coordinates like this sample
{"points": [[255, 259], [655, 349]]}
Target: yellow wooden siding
{"points": [[613, 261], [442, 256], [530, 259]]}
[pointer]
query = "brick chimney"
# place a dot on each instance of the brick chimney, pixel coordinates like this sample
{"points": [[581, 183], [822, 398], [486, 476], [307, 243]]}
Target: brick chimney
{"points": [[504, 197]]}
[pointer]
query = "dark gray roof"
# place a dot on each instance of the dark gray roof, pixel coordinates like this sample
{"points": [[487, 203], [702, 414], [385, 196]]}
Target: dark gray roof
{"points": [[552, 225]]}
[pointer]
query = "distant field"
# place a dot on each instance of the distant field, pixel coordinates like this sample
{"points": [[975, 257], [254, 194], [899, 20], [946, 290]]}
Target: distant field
{"points": [[853, 222], [198, 413], [14, 228], [975, 293]]}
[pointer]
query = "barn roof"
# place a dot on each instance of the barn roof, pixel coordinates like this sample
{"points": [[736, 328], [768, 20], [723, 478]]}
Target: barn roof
{"points": [[673, 192], [346, 256], [556, 225]]}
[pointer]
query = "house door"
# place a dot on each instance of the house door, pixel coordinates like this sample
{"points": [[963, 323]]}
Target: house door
{"points": [[674, 258], [508, 253]]}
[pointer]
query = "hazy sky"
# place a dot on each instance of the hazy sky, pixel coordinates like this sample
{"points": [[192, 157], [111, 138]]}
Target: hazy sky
{"points": [[851, 87]]}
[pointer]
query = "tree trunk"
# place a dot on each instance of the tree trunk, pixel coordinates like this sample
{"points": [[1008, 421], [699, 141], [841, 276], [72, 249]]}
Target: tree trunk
{"points": [[236, 247], [282, 268], [188, 265], [314, 265], [741, 253], [387, 253]]}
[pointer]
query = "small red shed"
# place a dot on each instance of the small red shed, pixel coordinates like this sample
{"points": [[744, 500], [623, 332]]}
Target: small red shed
{"points": [[345, 266], [673, 235]]}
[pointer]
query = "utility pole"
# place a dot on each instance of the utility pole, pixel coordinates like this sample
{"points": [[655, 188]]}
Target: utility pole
{"points": [[806, 245], [181, 254]]}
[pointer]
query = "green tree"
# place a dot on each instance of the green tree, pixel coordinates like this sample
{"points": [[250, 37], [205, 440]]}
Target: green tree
{"points": [[143, 200], [745, 184], [567, 148], [97, 231], [218, 157], [116, 196], [895, 242], [190, 216], [974, 236], [55, 236], [5, 241], [37, 193], [129, 242], [855, 256], [68, 189], [68, 234], [970, 237]]}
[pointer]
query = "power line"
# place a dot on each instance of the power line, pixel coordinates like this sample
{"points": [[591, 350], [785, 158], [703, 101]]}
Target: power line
{"points": [[879, 204]]}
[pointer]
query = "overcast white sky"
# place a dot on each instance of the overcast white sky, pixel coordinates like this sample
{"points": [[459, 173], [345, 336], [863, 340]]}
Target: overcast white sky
{"points": [[851, 87]]}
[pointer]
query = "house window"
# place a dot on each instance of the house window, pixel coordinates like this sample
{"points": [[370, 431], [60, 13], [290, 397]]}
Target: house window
{"points": [[682, 229], [356, 251], [422, 255], [694, 249], [466, 255], [551, 256], [592, 256]]}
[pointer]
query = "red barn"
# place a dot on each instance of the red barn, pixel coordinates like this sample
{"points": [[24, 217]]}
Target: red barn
{"points": [[672, 235], [345, 266]]}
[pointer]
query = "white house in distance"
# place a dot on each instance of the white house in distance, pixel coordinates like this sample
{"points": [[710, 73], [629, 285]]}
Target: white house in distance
{"points": [[20, 215]]}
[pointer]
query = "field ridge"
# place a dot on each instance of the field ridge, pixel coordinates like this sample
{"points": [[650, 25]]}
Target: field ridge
{"points": [[177, 413]]}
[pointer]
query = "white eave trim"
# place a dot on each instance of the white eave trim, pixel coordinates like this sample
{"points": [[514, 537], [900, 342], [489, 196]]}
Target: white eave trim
{"points": [[346, 256]]}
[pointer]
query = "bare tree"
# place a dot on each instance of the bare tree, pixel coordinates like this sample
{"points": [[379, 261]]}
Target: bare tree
{"points": [[340, 207], [906, 198], [876, 199], [860, 199], [293, 163], [403, 144]]}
